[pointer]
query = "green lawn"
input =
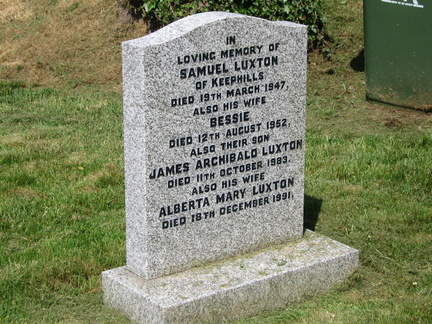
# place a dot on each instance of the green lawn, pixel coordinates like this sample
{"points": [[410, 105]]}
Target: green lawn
{"points": [[61, 203], [368, 185], [62, 210]]}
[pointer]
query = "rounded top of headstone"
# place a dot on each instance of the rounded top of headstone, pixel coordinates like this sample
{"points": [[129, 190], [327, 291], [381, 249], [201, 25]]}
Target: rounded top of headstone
{"points": [[189, 23]]}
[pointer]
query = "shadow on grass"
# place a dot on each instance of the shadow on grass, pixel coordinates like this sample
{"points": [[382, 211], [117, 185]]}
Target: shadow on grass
{"points": [[358, 62], [312, 208]]}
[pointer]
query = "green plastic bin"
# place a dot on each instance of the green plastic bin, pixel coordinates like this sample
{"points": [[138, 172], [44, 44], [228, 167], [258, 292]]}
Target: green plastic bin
{"points": [[398, 52]]}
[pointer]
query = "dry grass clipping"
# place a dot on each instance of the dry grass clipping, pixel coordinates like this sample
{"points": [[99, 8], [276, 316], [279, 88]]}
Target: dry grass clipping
{"points": [[51, 43]]}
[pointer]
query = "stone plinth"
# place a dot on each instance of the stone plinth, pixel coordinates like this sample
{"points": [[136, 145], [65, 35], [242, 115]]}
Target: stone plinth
{"points": [[233, 288]]}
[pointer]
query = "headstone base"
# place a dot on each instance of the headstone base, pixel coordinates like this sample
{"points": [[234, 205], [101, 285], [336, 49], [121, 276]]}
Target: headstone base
{"points": [[233, 288]]}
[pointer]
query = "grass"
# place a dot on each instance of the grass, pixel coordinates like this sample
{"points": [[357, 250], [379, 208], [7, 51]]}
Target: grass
{"points": [[61, 200], [368, 178], [67, 42]]}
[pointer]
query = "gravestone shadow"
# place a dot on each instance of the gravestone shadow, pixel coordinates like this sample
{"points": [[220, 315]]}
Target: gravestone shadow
{"points": [[312, 208], [358, 62]]}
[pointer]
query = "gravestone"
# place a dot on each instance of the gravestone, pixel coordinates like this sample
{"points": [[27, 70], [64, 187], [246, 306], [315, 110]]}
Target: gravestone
{"points": [[214, 139]]}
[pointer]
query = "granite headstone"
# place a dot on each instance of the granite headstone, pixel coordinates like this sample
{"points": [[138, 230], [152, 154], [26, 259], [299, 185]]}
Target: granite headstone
{"points": [[214, 132]]}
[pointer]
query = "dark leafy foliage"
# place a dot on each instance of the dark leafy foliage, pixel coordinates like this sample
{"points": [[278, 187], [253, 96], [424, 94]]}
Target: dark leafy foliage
{"points": [[308, 12]]}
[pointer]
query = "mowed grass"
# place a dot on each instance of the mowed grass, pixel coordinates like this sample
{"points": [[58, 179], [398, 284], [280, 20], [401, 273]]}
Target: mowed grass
{"points": [[61, 202], [368, 185], [62, 211]]}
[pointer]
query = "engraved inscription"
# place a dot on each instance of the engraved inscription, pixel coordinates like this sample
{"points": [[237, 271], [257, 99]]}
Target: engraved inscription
{"points": [[229, 169]]}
